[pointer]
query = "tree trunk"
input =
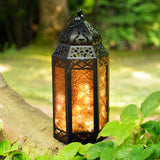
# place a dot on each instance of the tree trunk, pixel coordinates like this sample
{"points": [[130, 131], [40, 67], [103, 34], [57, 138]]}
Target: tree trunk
{"points": [[22, 123], [95, 11], [53, 17]]}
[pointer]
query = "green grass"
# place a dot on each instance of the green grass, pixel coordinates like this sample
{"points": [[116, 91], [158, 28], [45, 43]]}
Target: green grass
{"points": [[133, 75], [28, 71]]}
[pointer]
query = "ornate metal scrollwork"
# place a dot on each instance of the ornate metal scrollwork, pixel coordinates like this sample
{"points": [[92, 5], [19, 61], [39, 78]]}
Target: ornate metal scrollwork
{"points": [[81, 52], [96, 36], [61, 50], [100, 50], [81, 34]]}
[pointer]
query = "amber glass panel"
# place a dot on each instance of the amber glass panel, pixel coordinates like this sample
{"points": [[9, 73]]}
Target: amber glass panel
{"points": [[59, 98], [82, 100], [103, 95]]}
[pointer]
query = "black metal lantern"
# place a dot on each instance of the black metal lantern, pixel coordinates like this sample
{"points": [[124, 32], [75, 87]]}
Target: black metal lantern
{"points": [[80, 83]]}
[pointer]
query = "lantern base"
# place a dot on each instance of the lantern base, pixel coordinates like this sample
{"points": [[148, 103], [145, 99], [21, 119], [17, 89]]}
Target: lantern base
{"points": [[82, 137]]}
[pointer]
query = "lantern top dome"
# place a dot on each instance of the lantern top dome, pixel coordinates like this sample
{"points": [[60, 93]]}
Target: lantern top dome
{"points": [[79, 40], [79, 31]]}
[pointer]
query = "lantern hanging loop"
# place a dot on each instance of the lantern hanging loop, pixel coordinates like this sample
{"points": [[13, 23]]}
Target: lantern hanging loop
{"points": [[79, 18]]}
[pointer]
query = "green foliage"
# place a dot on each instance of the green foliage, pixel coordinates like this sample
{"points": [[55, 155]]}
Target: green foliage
{"points": [[133, 139], [134, 153], [85, 5], [120, 131], [70, 151], [110, 129], [96, 150], [20, 156], [84, 149], [124, 24], [129, 114], [130, 23], [41, 158], [152, 127], [11, 151], [4, 148], [150, 104], [8, 151]]}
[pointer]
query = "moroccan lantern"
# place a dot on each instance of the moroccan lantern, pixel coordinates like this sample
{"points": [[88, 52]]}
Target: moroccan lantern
{"points": [[80, 83]]}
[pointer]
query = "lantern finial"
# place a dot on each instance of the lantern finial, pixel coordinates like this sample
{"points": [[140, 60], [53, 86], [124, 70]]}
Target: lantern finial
{"points": [[80, 13]]}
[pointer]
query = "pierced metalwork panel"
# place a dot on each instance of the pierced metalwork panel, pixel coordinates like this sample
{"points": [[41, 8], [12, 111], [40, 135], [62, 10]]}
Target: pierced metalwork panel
{"points": [[81, 52], [61, 51], [96, 36], [82, 101], [103, 61], [78, 35], [61, 135], [59, 98], [103, 91], [82, 64], [58, 62], [63, 37], [100, 50], [84, 137]]}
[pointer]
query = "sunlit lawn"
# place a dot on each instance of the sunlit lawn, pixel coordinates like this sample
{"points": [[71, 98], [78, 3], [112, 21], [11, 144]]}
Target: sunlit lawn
{"points": [[28, 71], [133, 76]]}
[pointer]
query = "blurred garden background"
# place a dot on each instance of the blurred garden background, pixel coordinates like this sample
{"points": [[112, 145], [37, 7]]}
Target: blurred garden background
{"points": [[130, 31]]}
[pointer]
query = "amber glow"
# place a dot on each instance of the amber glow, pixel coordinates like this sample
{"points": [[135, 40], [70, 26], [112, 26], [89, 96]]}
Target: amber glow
{"points": [[82, 100], [103, 96], [59, 98]]}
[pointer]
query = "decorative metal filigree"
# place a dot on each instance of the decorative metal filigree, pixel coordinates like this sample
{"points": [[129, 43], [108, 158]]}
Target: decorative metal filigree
{"points": [[82, 64], [63, 38], [77, 137], [83, 137], [61, 51], [103, 61], [96, 36], [61, 135], [81, 52], [59, 62], [81, 41], [103, 90], [83, 33], [79, 35], [100, 50], [102, 96]]}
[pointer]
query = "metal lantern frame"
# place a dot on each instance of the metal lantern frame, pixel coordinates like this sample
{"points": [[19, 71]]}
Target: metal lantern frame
{"points": [[80, 48]]}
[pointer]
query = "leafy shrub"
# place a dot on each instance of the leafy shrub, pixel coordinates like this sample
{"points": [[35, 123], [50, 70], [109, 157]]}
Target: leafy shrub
{"points": [[133, 139], [133, 23], [125, 24]]}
